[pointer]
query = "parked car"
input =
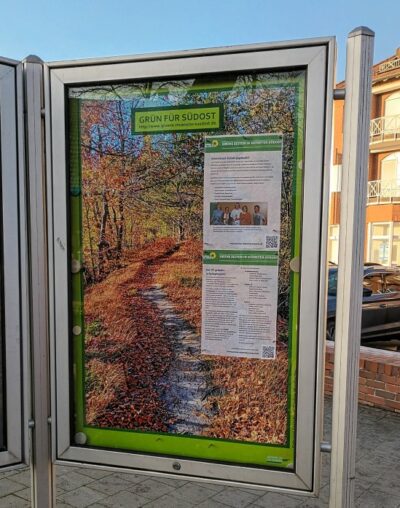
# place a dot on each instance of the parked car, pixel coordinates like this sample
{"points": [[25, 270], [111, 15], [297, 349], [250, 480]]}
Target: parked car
{"points": [[380, 305]]}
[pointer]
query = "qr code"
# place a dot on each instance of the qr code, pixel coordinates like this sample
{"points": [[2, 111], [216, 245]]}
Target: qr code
{"points": [[268, 352], [271, 242]]}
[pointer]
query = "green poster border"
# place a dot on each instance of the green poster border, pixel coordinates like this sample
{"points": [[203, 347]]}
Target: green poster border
{"points": [[195, 447]]}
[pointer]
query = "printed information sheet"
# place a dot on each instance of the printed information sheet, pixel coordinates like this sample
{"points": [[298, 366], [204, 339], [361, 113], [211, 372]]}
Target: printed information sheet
{"points": [[242, 197]]}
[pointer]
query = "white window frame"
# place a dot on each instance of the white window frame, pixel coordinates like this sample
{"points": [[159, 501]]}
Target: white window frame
{"points": [[317, 57], [395, 156], [389, 237], [395, 96]]}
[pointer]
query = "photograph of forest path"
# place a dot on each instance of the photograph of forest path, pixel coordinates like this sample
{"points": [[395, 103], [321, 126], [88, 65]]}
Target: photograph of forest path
{"points": [[137, 231]]}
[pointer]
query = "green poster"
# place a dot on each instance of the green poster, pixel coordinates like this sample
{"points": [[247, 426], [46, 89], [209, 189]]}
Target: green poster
{"points": [[136, 168]]}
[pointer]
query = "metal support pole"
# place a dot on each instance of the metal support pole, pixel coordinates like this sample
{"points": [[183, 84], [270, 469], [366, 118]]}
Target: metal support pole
{"points": [[351, 259], [42, 482]]}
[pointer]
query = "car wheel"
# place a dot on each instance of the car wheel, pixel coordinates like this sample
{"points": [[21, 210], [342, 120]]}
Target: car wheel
{"points": [[330, 330]]}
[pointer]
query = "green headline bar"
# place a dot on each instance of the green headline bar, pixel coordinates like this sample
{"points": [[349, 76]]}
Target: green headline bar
{"points": [[192, 118], [249, 143], [240, 257]]}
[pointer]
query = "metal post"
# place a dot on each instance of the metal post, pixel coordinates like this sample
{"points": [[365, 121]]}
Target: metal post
{"points": [[42, 482], [351, 258]]}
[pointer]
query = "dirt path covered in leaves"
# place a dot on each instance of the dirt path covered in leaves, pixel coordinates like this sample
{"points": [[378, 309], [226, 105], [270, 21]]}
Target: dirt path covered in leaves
{"points": [[185, 385], [142, 359]]}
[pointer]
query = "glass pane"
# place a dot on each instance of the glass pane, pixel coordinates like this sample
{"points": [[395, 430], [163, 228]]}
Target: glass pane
{"points": [[380, 251], [2, 394], [3, 429], [389, 170], [396, 244], [392, 105], [380, 230], [396, 252], [185, 201]]}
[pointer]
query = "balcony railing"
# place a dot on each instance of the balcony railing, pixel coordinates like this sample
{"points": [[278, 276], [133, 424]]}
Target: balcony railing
{"points": [[383, 192], [385, 128], [390, 65]]}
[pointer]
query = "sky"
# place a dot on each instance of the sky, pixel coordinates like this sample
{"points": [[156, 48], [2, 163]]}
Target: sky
{"points": [[58, 30]]}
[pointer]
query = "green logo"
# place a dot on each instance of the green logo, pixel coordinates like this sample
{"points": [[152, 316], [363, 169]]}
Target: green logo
{"points": [[209, 256]]}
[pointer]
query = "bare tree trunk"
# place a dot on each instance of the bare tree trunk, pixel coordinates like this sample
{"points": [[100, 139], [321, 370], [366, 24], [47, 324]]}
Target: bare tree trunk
{"points": [[120, 225], [90, 240], [181, 229], [96, 213], [103, 244], [115, 221]]}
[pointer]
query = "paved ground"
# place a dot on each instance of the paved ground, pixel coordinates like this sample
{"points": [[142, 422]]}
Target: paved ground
{"points": [[377, 486]]}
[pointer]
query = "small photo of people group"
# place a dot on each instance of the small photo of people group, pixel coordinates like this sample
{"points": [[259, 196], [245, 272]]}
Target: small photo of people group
{"points": [[238, 214]]}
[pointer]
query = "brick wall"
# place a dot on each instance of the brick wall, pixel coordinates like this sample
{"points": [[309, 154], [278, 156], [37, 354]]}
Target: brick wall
{"points": [[379, 377]]}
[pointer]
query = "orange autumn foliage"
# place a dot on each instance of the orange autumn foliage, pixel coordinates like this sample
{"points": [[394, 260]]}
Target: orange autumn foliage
{"points": [[126, 348]]}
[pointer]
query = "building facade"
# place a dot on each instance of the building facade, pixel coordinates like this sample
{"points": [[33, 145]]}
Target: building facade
{"points": [[382, 232]]}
